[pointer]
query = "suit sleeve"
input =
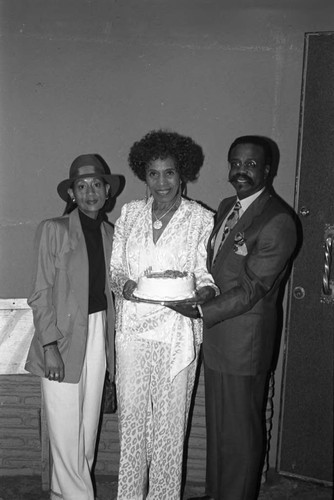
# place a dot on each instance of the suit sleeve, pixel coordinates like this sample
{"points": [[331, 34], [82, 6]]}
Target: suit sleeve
{"points": [[40, 300], [264, 266]]}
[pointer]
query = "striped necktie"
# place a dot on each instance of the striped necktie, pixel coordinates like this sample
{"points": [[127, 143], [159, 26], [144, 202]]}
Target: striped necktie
{"points": [[231, 221]]}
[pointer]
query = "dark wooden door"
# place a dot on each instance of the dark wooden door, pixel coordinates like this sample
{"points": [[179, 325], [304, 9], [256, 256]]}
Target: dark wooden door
{"points": [[306, 424]]}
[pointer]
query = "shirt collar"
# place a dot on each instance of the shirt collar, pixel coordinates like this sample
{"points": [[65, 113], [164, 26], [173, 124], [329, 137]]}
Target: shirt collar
{"points": [[246, 202], [89, 223]]}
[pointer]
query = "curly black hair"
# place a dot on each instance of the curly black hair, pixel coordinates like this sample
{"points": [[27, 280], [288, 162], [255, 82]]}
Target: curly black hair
{"points": [[162, 144]]}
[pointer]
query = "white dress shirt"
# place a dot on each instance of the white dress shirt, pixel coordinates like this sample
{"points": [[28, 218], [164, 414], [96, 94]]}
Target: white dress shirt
{"points": [[245, 203]]}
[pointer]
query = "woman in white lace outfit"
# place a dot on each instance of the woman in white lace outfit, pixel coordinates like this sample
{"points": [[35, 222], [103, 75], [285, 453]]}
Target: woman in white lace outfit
{"points": [[157, 348]]}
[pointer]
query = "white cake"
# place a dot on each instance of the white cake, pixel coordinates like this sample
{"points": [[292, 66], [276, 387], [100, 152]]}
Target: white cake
{"points": [[167, 285]]}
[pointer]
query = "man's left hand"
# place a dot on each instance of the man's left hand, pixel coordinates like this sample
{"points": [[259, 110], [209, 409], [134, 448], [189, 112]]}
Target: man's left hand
{"points": [[191, 310], [188, 310]]}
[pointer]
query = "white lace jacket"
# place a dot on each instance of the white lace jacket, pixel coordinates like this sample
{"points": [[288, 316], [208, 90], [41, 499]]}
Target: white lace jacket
{"points": [[181, 246]]}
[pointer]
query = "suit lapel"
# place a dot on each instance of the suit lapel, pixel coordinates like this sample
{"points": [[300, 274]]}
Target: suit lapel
{"points": [[222, 212], [242, 225], [107, 235], [78, 263]]}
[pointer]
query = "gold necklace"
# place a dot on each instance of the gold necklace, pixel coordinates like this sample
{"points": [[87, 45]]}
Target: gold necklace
{"points": [[157, 224]]}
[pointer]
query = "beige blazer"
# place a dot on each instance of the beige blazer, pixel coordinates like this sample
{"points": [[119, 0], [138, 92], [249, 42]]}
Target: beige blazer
{"points": [[59, 298]]}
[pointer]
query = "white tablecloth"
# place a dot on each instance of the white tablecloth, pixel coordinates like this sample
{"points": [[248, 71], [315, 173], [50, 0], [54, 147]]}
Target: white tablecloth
{"points": [[16, 331]]}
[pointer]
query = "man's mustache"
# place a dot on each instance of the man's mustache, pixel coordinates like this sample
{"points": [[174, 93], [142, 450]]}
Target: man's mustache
{"points": [[241, 177]]}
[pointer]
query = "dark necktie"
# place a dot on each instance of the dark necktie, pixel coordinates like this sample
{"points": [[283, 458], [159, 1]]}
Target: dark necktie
{"points": [[231, 221]]}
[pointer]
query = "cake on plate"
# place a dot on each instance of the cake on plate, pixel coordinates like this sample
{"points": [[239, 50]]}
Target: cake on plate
{"points": [[166, 285]]}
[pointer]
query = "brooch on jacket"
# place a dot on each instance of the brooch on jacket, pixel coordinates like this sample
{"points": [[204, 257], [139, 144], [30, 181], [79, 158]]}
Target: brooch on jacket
{"points": [[239, 246]]}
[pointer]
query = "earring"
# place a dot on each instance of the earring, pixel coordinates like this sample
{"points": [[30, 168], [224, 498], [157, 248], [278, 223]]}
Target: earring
{"points": [[147, 193], [183, 186], [73, 199]]}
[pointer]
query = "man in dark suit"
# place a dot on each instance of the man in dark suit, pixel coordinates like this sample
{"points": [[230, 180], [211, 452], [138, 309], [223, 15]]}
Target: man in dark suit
{"points": [[249, 253]]}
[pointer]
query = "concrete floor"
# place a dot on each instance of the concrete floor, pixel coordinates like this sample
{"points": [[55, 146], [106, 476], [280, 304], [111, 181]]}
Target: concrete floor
{"points": [[276, 488]]}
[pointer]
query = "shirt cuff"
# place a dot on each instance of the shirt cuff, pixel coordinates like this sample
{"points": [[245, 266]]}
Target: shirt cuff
{"points": [[199, 308]]}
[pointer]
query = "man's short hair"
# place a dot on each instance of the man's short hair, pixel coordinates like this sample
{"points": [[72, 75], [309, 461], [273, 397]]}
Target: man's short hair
{"points": [[258, 141]]}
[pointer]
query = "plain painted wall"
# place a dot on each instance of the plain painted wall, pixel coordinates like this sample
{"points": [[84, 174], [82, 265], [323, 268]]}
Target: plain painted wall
{"points": [[80, 76]]}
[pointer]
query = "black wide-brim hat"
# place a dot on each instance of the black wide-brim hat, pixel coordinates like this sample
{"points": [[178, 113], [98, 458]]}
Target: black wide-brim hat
{"points": [[89, 165]]}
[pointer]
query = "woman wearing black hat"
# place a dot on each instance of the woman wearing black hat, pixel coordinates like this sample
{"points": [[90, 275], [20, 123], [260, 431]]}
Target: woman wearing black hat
{"points": [[74, 322]]}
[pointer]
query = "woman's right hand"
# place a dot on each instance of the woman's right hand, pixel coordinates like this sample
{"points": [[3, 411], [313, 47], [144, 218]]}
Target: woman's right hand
{"points": [[53, 364], [128, 289]]}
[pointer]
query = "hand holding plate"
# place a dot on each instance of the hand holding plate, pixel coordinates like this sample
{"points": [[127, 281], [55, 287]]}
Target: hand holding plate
{"points": [[204, 294], [128, 289], [189, 310]]}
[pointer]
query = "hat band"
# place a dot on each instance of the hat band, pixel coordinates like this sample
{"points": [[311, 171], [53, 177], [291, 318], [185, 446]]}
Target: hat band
{"points": [[88, 170]]}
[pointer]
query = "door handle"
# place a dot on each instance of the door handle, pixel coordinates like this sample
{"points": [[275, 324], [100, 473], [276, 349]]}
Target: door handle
{"points": [[327, 266], [299, 292]]}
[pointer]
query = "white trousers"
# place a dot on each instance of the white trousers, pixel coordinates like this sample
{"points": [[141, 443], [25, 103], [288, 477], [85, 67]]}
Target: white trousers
{"points": [[73, 412], [153, 413]]}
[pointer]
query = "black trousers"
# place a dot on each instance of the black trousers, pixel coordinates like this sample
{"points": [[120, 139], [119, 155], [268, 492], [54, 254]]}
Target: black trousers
{"points": [[235, 426]]}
